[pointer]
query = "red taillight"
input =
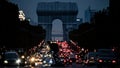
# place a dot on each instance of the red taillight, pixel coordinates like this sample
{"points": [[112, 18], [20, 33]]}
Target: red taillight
{"points": [[100, 61], [70, 60], [76, 56], [113, 49], [64, 61], [113, 61], [76, 60]]}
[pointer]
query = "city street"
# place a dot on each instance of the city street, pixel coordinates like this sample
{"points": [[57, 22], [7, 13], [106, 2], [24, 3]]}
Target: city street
{"points": [[69, 66], [59, 34]]}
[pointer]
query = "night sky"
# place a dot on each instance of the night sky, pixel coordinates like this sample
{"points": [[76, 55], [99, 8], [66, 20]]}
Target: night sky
{"points": [[29, 6]]}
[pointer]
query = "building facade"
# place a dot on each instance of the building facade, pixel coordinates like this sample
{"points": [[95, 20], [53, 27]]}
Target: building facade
{"points": [[89, 13]]}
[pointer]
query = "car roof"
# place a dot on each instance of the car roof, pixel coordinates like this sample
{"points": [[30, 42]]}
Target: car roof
{"points": [[10, 52], [104, 49], [92, 52]]}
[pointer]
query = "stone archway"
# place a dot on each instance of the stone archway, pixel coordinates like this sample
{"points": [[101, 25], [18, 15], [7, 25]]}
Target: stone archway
{"points": [[57, 30], [65, 11]]}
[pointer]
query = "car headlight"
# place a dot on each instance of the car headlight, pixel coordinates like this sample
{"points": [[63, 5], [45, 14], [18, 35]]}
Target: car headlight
{"points": [[22, 56], [51, 61], [32, 59], [44, 61], [41, 55], [91, 57], [50, 55], [6, 61], [18, 61], [25, 62], [45, 55]]}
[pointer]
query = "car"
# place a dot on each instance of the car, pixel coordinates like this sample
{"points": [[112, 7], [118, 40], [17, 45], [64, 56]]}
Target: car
{"points": [[11, 58], [106, 57], [59, 61], [78, 59], [23, 60], [67, 61], [34, 59], [90, 58], [48, 60]]}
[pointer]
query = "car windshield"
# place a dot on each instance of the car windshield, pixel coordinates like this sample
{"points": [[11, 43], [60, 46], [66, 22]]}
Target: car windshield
{"points": [[107, 55], [11, 55], [92, 54]]}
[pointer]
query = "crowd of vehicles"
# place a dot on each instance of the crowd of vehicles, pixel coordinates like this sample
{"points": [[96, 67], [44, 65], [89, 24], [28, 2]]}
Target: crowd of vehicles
{"points": [[45, 57]]}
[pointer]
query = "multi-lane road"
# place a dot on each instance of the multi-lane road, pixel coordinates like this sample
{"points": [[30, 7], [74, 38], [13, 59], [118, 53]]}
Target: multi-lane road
{"points": [[68, 66]]}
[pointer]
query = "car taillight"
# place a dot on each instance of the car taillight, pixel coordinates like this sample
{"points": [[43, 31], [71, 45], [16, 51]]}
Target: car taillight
{"points": [[70, 60], [32, 59], [100, 61], [64, 60], [76, 60], [113, 61]]}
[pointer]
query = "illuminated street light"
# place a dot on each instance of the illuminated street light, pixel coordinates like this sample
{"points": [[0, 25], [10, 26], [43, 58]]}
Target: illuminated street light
{"points": [[21, 15], [77, 19]]}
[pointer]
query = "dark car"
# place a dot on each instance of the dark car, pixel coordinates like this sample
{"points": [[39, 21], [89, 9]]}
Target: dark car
{"points": [[106, 57], [90, 58], [67, 61], [59, 61], [11, 58]]}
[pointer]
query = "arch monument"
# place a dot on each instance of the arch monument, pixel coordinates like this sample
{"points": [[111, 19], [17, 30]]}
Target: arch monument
{"points": [[64, 11]]}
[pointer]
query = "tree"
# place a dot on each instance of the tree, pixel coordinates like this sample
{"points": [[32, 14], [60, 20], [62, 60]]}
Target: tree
{"points": [[85, 35], [8, 21], [15, 33]]}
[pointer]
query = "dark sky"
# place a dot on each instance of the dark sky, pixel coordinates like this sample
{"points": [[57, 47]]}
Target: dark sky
{"points": [[29, 6]]}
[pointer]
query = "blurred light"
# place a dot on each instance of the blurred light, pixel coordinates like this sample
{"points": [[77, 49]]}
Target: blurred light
{"points": [[25, 62], [47, 47], [44, 61], [82, 49], [29, 20], [70, 60], [95, 50], [113, 49], [22, 56], [77, 19], [100, 61], [32, 59], [113, 61], [18, 61], [41, 55], [50, 55], [36, 64], [50, 61], [6, 61], [64, 61], [21, 15]]}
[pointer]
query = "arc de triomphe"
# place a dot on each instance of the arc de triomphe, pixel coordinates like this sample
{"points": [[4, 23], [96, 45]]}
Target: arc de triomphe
{"points": [[64, 11]]}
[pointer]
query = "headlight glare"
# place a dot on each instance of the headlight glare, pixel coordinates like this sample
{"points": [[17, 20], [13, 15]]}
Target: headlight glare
{"points": [[44, 61], [6, 61], [18, 61], [22, 56], [32, 59], [51, 61]]}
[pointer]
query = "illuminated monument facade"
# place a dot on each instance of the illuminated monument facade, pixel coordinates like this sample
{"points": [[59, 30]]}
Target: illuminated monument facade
{"points": [[65, 11]]}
